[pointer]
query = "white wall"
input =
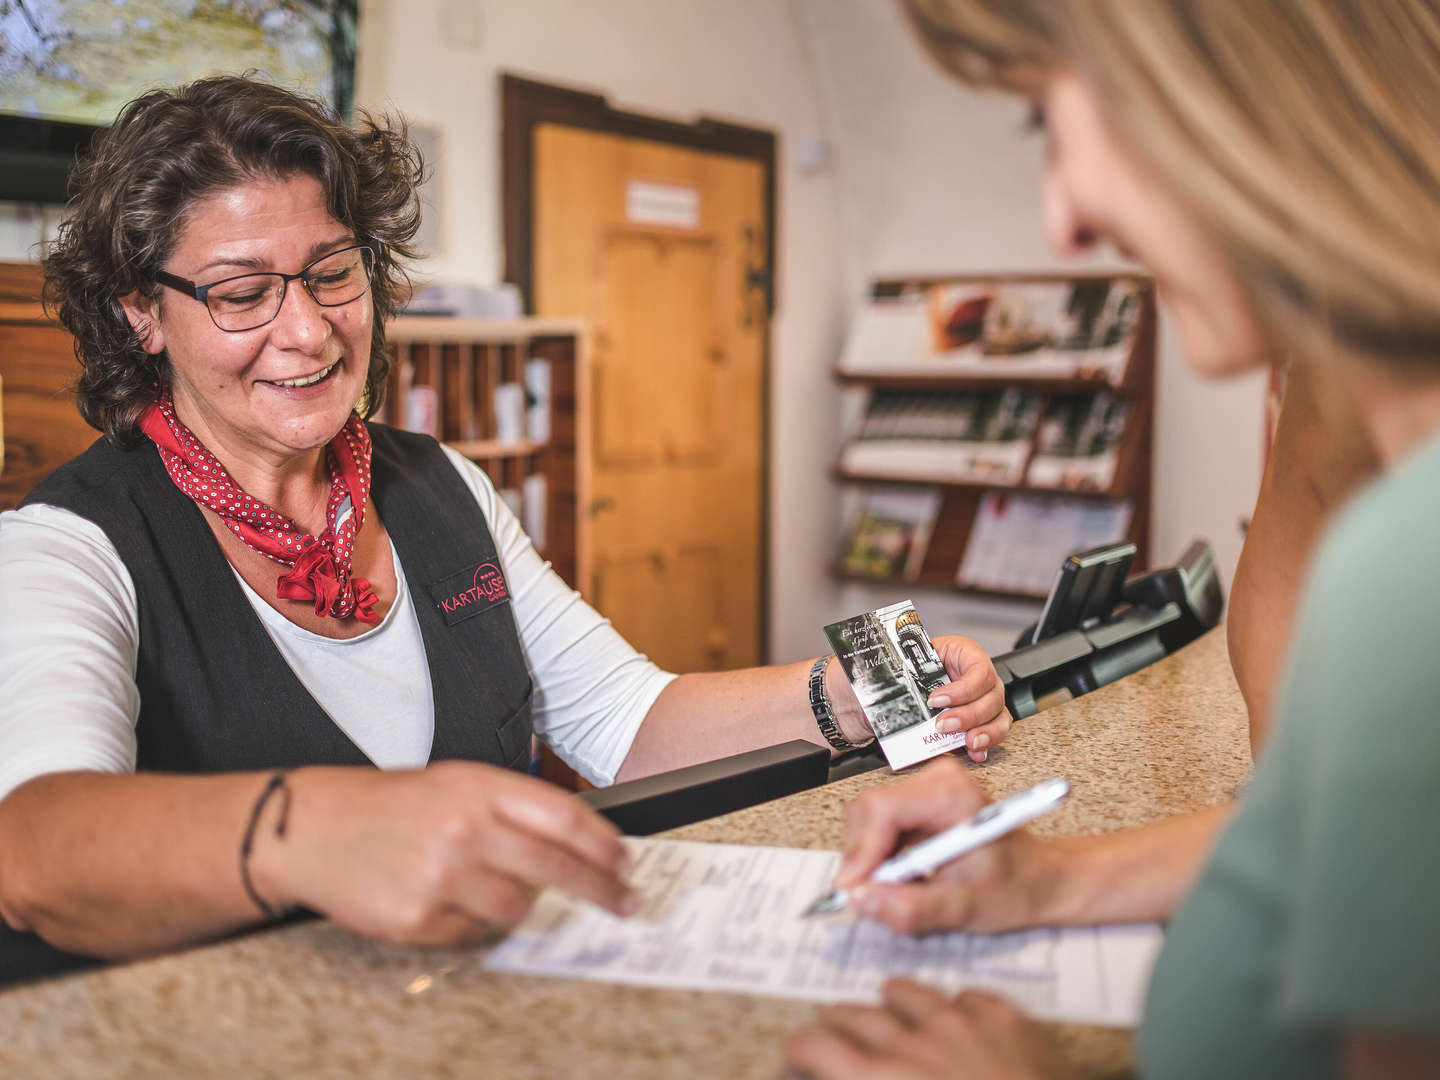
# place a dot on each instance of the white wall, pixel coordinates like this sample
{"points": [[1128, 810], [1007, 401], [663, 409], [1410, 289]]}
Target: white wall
{"points": [[23, 228], [921, 176]]}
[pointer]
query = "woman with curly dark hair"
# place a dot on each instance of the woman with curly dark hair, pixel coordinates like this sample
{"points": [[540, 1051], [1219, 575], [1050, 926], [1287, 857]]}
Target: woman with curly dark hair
{"points": [[167, 151], [179, 729]]}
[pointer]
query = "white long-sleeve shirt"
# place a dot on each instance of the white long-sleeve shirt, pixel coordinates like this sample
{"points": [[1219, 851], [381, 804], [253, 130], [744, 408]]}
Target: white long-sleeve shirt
{"points": [[69, 641]]}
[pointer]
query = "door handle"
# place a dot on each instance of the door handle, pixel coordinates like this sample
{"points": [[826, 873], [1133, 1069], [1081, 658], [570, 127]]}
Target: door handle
{"points": [[755, 284], [600, 505]]}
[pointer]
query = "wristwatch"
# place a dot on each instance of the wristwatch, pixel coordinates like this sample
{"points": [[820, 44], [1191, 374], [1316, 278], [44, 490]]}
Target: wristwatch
{"points": [[824, 714]]}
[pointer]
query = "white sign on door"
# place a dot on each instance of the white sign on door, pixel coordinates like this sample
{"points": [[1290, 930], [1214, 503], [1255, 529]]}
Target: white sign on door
{"points": [[648, 203]]}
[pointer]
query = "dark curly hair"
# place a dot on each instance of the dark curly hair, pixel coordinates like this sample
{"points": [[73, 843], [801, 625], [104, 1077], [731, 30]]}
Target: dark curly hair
{"points": [[168, 149]]}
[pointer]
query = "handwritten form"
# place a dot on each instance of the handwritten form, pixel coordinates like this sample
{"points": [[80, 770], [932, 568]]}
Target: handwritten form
{"points": [[727, 917]]}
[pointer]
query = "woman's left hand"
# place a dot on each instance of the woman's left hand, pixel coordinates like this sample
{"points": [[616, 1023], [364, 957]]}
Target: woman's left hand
{"points": [[918, 1032], [974, 701]]}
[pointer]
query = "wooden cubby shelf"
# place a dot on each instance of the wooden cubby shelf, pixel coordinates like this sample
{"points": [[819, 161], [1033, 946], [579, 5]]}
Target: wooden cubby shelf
{"points": [[444, 376]]}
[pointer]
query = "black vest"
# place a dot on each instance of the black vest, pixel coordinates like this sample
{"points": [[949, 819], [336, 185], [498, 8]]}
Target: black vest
{"points": [[215, 693]]}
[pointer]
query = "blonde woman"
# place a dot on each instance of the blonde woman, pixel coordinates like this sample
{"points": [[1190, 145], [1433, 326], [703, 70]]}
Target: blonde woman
{"points": [[1276, 165]]}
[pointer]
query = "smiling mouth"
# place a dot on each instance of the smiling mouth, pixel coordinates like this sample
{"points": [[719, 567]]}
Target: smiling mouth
{"points": [[304, 380]]}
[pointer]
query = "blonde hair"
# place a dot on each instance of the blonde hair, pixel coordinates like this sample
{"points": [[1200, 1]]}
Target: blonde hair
{"points": [[1305, 132]]}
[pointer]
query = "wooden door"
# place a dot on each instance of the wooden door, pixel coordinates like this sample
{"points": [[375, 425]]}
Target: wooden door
{"points": [[660, 249]]}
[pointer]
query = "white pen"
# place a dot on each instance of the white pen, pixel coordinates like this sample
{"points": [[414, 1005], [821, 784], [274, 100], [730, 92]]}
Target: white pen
{"points": [[991, 823]]}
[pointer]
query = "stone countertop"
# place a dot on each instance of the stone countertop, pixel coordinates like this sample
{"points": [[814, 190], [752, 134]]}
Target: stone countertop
{"points": [[312, 1000]]}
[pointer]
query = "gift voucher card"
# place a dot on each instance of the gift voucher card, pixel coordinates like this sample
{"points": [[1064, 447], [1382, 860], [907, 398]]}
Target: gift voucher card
{"points": [[893, 668]]}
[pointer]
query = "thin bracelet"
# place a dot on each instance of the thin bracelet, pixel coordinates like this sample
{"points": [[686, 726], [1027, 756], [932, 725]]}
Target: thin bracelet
{"points": [[824, 713], [275, 783]]}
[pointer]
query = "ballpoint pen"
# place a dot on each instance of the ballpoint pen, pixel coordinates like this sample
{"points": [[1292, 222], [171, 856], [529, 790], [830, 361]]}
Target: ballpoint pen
{"points": [[991, 823]]}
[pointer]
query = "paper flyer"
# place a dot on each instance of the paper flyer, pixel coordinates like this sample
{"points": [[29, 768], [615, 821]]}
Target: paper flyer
{"points": [[888, 658]]}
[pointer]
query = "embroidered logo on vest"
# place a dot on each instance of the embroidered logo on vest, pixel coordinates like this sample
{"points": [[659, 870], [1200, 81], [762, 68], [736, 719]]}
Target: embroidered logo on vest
{"points": [[470, 592]]}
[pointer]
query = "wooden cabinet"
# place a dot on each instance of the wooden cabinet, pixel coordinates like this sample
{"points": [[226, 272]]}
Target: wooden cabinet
{"points": [[923, 351], [504, 394], [42, 428]]}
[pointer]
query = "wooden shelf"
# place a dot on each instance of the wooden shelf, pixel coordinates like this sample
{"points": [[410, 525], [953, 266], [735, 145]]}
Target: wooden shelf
{"points": [[444, 329], [1110, 494], [898, 381], [23, 312], [923, 582], [492, 448]]}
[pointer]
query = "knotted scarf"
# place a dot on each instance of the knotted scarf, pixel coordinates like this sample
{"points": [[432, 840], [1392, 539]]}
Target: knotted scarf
{"points": [[319, 565]]}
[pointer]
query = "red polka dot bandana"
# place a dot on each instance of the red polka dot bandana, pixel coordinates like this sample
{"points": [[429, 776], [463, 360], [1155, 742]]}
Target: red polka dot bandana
{"points": [[319, 565]]}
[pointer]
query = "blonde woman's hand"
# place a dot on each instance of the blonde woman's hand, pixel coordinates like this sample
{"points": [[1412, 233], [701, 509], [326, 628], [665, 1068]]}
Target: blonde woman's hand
{"points": [[1005, 885], [974, 699], [917, 1032], [435, 856]]}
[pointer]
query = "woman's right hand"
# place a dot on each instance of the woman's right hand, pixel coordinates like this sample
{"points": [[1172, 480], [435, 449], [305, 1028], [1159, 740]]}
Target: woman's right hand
{"points": [[437, 856], [1008, 884]]}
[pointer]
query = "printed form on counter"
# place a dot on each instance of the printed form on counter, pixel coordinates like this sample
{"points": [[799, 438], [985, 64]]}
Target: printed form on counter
{"points": [[728, 917], [893, 668]]}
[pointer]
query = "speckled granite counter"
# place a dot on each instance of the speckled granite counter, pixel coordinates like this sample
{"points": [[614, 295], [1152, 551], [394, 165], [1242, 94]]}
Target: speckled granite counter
{"points": [[311, 1000]]}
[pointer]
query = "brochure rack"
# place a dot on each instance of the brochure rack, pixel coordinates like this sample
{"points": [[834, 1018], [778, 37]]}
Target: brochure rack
{"points": [[1025, 400]]}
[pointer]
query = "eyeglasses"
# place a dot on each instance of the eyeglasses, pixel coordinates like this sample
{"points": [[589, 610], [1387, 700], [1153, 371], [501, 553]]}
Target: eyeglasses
{"points": [[249, 301]]}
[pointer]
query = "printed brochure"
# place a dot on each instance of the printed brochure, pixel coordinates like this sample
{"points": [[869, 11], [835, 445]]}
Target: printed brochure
{"points": [[893, 668]]}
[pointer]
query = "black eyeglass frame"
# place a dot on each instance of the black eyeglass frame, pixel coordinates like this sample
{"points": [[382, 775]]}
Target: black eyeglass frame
{"points": [[200, 292]]}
